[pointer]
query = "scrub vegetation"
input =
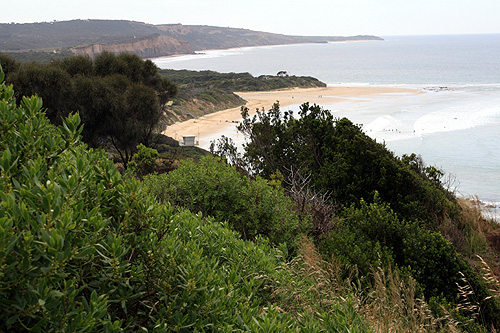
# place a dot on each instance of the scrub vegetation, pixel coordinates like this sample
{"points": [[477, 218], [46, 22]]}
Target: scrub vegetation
{"points": [[203, 92], [315, 227]]}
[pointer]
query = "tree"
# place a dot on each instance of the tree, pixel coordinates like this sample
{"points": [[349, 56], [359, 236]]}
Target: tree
{"points": [[341, 160], [134, 121], [49, 82], [119, 97], [9, 64]]}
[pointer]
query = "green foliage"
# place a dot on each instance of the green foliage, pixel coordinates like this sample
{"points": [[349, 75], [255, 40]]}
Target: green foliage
{"points": [[144, 161], [341, 160], [374, 232], [217, 189], [395, 206], [68, 225], [83, 250], [119, 97], [237, 81]]}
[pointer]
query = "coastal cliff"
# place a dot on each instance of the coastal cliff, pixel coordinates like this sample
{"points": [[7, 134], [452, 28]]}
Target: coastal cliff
{"points": [[149, 47], [51, 40], [202, 37]]}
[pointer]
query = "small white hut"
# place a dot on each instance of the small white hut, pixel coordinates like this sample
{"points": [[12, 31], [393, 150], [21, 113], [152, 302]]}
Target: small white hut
{"points": [[188, 140]]}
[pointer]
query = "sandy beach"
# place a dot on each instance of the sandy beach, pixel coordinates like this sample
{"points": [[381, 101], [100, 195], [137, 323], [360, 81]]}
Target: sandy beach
{"points": [[211, 126]]}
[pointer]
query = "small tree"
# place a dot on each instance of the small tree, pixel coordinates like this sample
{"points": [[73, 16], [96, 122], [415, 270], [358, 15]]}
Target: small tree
{"points": [[282, 74], [144, 161], [134, 121]]}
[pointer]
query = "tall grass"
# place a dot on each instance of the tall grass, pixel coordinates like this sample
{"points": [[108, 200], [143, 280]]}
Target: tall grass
{"points": [[390, 305], [490, 279]]}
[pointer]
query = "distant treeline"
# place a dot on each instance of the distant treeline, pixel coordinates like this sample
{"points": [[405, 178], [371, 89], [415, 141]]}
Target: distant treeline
{"points": [[239, 81], [42, 56], [202, 92]]}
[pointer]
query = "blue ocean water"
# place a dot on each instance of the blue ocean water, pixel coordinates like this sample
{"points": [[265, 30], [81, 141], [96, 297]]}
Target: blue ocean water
{"points": [[455, 125]]}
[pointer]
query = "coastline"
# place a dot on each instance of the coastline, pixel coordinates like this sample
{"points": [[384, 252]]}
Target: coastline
{"points": [[211, 126], [205, 51]]}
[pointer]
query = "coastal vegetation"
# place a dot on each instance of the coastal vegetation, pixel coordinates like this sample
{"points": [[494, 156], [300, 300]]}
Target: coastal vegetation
{"points": [[392, 212], [315, 227], [84, 249], [120, 98], [203, 92]]}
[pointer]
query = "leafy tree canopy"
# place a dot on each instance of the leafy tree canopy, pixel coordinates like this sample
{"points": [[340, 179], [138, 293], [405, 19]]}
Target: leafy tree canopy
{"points": [[120, 97], [341, 160]]}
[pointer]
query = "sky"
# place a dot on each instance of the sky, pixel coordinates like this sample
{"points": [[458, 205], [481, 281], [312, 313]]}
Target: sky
{"points": [[291, 17]]}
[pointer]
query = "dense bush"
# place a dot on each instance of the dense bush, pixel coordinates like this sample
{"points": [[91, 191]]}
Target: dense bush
{"points": [[395, 206], [119, 97], [144, 161], [83, 250], [374, 231], [74, 236], [373, 234], [216, 189]]}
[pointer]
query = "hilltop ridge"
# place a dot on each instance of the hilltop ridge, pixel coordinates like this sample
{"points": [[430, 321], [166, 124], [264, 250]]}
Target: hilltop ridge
{"points": [[202, 37], [91, 37]]}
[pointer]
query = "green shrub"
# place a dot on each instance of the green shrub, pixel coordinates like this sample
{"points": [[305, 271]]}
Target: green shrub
{"points": [[373, 234], [217, 281], [73, 236], [144, 161], [216, 189], [82, 250]]}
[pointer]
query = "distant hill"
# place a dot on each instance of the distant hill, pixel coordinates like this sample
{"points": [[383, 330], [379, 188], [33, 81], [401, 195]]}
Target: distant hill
{"points": [[209, 38], [94, 36], [53, 35]]}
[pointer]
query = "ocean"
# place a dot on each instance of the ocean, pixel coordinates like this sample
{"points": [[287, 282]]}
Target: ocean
{"points": [[455, 125]]}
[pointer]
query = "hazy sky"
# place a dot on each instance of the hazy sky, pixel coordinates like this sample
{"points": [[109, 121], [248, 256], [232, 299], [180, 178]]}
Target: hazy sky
{"points": [[299, 17]]}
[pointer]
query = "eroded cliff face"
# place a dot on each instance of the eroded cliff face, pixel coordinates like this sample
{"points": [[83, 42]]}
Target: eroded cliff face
{"points": [[146, 47]]}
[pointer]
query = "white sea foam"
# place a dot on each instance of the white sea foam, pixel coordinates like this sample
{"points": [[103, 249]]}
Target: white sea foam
{"points": [[456, 118], [164, 62]]}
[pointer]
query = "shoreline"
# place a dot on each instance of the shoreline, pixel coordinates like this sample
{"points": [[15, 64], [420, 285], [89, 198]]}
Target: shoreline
{"points": [[211, 126], [202, 52]]}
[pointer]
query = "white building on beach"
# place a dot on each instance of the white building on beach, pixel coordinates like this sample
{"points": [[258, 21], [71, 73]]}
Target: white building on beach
{"points": [[188, 140]]}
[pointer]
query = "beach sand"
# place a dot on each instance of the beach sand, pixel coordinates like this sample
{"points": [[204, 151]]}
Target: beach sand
{"points": [[211, 126]]}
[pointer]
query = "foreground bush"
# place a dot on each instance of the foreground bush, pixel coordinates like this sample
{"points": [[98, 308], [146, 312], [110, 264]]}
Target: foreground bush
{"points": [[216, 189], [83, 250], [74, 238]]}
